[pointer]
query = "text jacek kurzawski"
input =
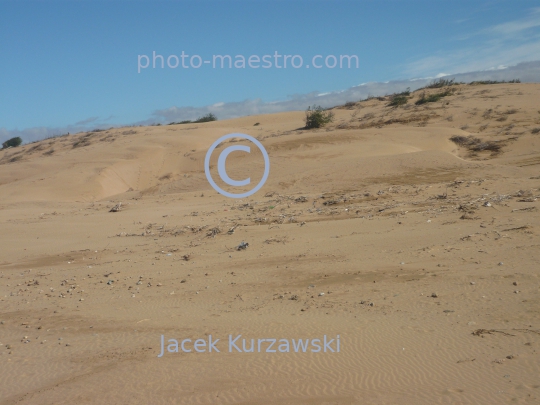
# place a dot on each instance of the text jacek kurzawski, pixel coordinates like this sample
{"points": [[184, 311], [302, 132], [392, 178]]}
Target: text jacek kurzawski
{"points": [[238, 344]]}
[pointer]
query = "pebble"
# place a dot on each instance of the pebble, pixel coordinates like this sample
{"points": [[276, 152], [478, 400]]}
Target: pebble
{"points": [[473, 283], [434, 295], [321, 294], [515, 283], [501, 263]]}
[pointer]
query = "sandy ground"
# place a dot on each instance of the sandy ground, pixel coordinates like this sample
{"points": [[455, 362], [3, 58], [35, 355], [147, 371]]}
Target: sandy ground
{"points": [[421, 254]]}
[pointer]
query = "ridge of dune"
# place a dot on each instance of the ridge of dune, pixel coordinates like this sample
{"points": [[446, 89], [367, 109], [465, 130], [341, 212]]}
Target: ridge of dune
{"points": [[94, 166]]}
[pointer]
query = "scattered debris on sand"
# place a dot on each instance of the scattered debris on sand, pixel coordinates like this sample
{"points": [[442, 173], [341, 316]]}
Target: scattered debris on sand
{"points": [[116, 208]]}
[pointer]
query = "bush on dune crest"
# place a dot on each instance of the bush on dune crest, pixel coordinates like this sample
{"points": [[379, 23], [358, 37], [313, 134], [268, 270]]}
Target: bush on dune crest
{"points": [[13, 142], [317, 117], [398, 99], [481, 82], [437, 84], [432, 97], [205, 118]]}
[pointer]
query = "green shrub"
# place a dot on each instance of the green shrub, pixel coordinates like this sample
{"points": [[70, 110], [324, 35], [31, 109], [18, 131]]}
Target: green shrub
{"points": [[432, 97], [13, 142], [437, 84], [206, 118], [398, 99], [317, 117], [480, 82]]}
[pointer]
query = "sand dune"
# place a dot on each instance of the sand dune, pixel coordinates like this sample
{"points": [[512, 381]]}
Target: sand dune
{"points": [[419, 251]]}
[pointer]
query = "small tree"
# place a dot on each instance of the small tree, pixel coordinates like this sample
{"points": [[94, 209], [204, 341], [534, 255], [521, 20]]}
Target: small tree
{"points": [[14, 142], [317, 117]]}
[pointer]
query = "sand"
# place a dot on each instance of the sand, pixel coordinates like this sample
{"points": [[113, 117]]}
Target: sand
{"points": [[419, 252]]}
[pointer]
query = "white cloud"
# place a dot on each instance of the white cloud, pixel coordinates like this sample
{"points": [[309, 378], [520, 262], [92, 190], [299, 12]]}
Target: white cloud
{"points": [[500, 45], [512, 27]]}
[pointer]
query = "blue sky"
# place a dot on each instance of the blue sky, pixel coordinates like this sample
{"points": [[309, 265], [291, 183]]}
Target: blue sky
{"points": [[72, 65]]}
